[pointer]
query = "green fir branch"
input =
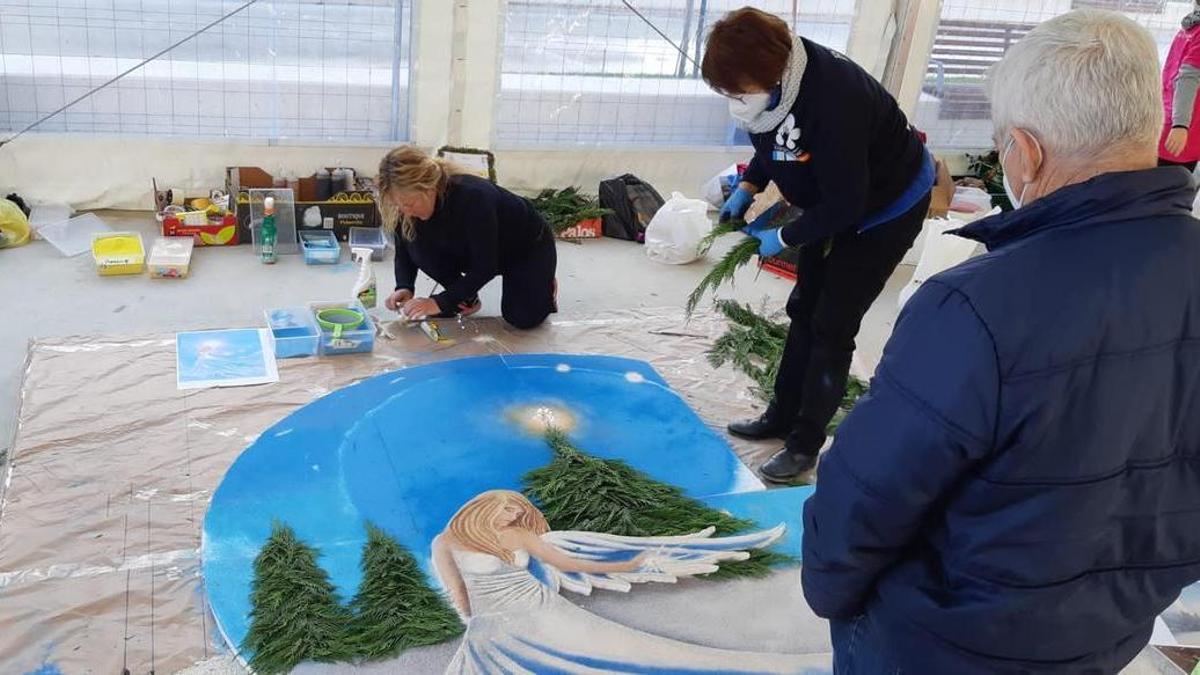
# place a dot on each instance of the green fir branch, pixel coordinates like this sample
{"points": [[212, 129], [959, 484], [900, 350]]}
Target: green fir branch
{"points": [[396, 608], [578, 491], [720, 230], [725, 269]]}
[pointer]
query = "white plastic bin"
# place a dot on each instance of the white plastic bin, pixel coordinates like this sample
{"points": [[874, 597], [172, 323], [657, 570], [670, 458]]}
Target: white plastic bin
{"points": [[171, 257]]}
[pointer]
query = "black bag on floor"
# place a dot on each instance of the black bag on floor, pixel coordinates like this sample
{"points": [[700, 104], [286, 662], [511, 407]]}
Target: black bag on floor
{"points": [[633, 202]]}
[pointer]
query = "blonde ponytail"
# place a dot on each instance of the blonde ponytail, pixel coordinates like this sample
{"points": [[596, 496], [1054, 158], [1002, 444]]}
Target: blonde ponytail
{"points": [[410, 170]]}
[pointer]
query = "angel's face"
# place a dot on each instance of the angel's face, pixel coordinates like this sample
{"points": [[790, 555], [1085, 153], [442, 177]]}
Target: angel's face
{"points": [[509, 514]]}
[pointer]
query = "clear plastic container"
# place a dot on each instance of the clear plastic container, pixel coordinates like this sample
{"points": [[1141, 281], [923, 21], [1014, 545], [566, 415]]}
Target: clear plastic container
{"points": [[171, 257], [285, 220], [369, 237], [42, 215], [74, 236], [294, 332], [320, 247], [352, 341]]}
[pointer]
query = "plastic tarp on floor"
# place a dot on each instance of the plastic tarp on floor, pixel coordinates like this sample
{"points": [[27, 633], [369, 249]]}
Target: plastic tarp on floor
{"points": [[113, 468]]}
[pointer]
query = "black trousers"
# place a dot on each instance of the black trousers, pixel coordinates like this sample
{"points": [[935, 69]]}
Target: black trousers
{"points": [[833, 291], [527, 293], [1190, 166]]}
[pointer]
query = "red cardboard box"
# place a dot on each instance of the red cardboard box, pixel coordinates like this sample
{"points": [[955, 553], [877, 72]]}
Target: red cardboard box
{"points": [[209, 234], [584, 229]]}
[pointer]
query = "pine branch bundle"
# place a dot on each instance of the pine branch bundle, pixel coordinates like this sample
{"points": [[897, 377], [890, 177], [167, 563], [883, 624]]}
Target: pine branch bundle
{"points": [[577, 491], [563, 209], [295, 613], [754, 344], [395, 608]]}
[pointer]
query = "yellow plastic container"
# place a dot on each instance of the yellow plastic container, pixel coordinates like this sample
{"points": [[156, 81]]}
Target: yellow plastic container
{"points": [[118, 253]]}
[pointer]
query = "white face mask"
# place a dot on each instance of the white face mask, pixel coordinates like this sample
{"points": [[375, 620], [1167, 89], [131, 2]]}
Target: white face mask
{"points": [[1016, 201], [749, 106]]}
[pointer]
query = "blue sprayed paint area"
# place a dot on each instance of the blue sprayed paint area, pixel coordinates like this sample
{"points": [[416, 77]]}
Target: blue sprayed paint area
{"points": [[46, 669], [406, 449]]}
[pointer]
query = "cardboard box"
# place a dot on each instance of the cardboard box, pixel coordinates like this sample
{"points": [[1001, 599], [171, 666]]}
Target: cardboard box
{"points": [[783, 265], [584, 229], [209, 234], [345, 209], [205, 223]]}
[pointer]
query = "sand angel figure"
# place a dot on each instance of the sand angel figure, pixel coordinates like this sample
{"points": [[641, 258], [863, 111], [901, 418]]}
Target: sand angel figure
{"points": [[504, 567]]}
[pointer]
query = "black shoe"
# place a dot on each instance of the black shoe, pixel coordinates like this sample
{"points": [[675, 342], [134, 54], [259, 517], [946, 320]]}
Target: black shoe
{"points": [[786, 466], [766, 425], [450, 315]]}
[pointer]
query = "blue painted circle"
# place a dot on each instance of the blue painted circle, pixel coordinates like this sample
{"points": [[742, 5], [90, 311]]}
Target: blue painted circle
{"points": [[406, 449]]}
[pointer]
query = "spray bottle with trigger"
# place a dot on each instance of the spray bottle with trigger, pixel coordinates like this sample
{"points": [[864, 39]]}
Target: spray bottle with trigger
{"points": [[364, 287]]}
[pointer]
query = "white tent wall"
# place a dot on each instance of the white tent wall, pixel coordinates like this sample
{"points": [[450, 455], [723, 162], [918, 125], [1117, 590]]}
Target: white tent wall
{"points": [[455, 83]]}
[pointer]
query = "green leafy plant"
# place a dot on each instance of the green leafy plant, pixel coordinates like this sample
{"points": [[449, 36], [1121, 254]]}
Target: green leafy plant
{"points": [[396, 608], [563, 209], [295, 615], [988, 169], [578, 491]]}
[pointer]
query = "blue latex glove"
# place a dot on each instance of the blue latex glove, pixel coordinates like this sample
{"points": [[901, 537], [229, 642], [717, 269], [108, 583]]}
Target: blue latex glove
{"points": [[770, 239], [736, 206]]}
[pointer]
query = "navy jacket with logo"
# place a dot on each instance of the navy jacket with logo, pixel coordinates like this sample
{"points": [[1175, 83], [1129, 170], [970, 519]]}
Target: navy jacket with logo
{"points": [[845, 151], [1020, 490]]}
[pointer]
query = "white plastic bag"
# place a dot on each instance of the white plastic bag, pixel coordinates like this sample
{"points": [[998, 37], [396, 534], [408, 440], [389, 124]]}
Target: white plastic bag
{"points": [[942, 251], [673, 235], [711, 190]]}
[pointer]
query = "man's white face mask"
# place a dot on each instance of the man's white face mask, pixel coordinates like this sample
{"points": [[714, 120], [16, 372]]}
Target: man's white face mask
{"points": [[747, 107], [1017, 200]]}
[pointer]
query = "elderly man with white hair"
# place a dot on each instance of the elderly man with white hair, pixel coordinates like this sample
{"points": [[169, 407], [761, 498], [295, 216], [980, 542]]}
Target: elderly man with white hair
{"points": [[1020, 492]]}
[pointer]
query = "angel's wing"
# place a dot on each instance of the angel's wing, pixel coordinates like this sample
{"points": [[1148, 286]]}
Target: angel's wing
{"points": [[670, 557]]}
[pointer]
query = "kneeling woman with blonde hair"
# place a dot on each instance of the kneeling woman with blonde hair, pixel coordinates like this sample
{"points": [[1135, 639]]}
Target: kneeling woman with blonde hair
{"points": [[463, 231]]}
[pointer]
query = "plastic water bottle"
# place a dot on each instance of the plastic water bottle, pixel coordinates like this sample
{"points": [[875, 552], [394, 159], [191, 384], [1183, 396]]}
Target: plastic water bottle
{"points": [[269, 233]]}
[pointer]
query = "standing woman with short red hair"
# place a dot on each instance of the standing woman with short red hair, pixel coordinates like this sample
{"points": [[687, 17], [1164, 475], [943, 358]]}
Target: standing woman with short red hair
{"points": [[836, 144]]}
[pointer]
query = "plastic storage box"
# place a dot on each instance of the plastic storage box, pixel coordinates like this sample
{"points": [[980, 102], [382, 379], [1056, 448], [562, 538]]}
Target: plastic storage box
{"points": [[48, 214], [369, 237], [320, 248], [170, 257], [352, 341], [294, 332], [285, 220], [74, 236], [118, 253]]}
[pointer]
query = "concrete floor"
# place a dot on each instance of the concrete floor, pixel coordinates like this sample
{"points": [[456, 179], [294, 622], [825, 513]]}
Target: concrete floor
{"points": [[48, 295]]}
